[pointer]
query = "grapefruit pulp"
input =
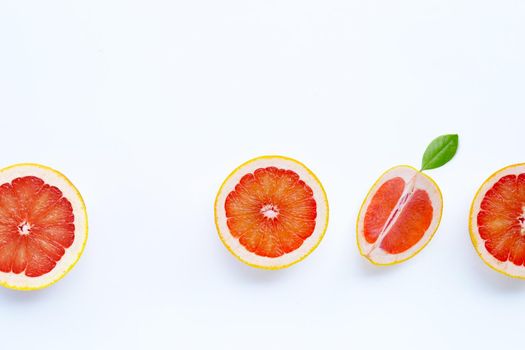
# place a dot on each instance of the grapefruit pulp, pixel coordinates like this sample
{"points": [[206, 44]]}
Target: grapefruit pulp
{"points": [[497, 221], [399, 216], [271, 212], [43, 226]]}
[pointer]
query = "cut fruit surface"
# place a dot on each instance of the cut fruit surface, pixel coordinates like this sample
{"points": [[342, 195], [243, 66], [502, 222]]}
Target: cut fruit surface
{"points": [[497, 221], [271, 212], [399, 216], [43, 226]]}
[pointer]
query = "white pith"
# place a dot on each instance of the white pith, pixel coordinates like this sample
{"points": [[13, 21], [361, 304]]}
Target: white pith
{"points": [[308, 245], [414, 180], [21, 281], [507, 267]]}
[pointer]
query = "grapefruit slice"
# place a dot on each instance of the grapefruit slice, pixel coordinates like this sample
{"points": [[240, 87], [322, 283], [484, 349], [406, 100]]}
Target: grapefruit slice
{"points": [[43, 226], [271, 212], [399, 216], [497, 221]]}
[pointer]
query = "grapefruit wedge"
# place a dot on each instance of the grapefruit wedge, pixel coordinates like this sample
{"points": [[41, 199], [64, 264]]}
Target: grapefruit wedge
{"points": [[43, 226], [399, 216], [497, 221], [271, 212]]}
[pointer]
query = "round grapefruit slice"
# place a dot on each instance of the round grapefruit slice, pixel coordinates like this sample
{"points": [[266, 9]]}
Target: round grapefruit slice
{"points": [[43, 226], [399, 216], [271, 212], [497, 221]]}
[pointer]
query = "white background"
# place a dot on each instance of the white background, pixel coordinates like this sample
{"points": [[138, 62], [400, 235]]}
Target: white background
{"points": [[148, 105]]}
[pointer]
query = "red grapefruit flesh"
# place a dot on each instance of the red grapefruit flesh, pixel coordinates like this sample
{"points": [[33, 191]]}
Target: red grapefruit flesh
{"points": [[278, 204], [271, 212], [497, 221], [381, 207], [399, 216], [40, 235]]}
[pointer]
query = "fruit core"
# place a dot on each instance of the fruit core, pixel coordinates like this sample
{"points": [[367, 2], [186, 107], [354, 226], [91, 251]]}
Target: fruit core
{"points": [[270, 211], [24, 228]]}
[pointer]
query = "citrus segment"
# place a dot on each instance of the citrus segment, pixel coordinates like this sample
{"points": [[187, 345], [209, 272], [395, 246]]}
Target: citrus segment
{"points": [[411, 224], [43, 226], [381, 207], [497, 221], [271, 212], [399, 216]]}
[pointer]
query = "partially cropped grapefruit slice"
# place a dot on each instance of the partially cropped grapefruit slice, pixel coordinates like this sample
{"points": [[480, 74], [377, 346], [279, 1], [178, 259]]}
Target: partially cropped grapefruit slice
{"points": [[399, 216], [497, 221], [271, 212], [43, 226]]}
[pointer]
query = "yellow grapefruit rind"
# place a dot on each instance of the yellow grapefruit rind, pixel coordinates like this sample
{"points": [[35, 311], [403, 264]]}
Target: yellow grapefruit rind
{"points": [[279, 267], [473, 235], [83, 206], [361, 212]]}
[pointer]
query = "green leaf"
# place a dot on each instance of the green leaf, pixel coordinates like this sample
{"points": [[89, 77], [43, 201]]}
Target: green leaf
{"points": [[440, 151]]}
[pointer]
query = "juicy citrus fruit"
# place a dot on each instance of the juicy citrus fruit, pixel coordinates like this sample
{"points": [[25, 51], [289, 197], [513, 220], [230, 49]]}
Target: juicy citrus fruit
{"points": [[271, 212], [43, 226], [497, 221], [399, 216]]}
